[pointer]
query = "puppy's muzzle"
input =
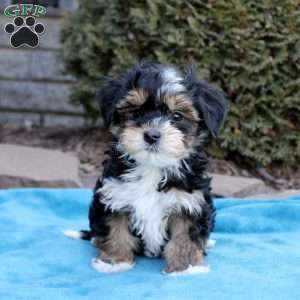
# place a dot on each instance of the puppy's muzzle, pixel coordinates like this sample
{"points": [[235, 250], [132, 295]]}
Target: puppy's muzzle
{"points": [[152, 136]]}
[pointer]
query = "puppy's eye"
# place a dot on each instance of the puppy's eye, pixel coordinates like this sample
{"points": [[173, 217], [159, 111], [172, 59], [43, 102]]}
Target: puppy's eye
{"points": [[177, 116]]}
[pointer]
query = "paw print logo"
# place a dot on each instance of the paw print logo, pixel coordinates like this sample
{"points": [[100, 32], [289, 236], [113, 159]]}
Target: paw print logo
{"points": [[24, 32]]}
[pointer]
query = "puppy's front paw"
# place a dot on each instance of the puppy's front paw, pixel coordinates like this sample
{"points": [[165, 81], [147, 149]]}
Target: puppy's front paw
{"points": [[104, 267], [180, 256]]}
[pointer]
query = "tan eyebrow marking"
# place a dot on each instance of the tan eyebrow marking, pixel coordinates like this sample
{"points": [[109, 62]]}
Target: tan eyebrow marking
{"points": [[182, 104], [133, 100]]}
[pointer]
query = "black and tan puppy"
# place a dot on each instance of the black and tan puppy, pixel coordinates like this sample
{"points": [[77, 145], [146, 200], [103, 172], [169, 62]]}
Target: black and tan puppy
{"points": [[154, 195]]}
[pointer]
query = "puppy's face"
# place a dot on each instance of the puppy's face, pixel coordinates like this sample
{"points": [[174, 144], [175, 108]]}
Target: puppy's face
{"points": [[158, 129], [155, 115]]}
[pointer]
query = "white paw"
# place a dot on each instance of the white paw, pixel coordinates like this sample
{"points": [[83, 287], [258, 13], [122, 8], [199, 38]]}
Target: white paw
{"points": [[73, 234], [210, 244], [104, 267], [191, 270]]}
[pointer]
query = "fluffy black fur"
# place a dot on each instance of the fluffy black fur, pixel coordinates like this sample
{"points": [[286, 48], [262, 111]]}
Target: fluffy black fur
{"points": [[211, 106], [210, 102]]}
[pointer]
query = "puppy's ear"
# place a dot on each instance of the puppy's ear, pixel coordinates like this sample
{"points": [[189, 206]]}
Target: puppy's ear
{"points": [[210, 102], [108, 97], [113, 91]]}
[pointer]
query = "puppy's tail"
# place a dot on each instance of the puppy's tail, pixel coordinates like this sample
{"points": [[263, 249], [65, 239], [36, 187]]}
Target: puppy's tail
{"points": [[78, 235]]}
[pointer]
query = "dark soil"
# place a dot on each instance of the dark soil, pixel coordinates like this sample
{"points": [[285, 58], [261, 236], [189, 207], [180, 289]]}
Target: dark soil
{"points": [[90, 144]]}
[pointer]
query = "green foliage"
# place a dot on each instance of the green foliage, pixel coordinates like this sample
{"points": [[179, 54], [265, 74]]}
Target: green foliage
{"points": [[250, 48]]}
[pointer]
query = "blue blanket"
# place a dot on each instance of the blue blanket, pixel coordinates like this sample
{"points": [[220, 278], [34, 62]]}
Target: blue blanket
{"points": [[257, 255]]}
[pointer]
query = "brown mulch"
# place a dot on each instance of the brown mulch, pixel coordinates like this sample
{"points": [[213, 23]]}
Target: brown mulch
{"points": [[90, 144]]}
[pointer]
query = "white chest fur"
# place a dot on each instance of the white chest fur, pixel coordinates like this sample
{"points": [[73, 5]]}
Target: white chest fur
{"points": [[148, 209]]}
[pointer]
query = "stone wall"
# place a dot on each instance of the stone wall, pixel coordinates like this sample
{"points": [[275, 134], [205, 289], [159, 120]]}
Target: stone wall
{"points": [[34, 88]]}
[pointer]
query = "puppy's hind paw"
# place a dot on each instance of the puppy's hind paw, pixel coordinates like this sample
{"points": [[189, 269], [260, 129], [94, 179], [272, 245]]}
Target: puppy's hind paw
{"points": [[104, 267], [73, 234], [210, 243], [191, 270]]}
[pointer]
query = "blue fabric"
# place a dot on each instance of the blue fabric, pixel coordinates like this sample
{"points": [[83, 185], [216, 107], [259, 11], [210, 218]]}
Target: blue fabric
{"points": [[257, 255]]}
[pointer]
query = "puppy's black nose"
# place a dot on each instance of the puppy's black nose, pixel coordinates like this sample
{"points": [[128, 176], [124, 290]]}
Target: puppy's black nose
{"points": [[151, 136]]}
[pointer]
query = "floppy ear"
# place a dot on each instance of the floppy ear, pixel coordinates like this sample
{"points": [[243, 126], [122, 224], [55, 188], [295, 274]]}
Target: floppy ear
{"points": [[208, 100], [114, 90], [108, 97]]}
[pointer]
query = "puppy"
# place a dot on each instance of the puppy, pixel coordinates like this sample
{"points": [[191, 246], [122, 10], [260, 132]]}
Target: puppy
{"points": [[154, 195]]}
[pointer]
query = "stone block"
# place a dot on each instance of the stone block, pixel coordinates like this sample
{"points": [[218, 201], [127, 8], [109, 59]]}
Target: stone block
{"points": [[63, 120], [279, 195], [36, 167], [36, 96], [42, 120], [20, 119], [235, 186], [31, 65]]}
